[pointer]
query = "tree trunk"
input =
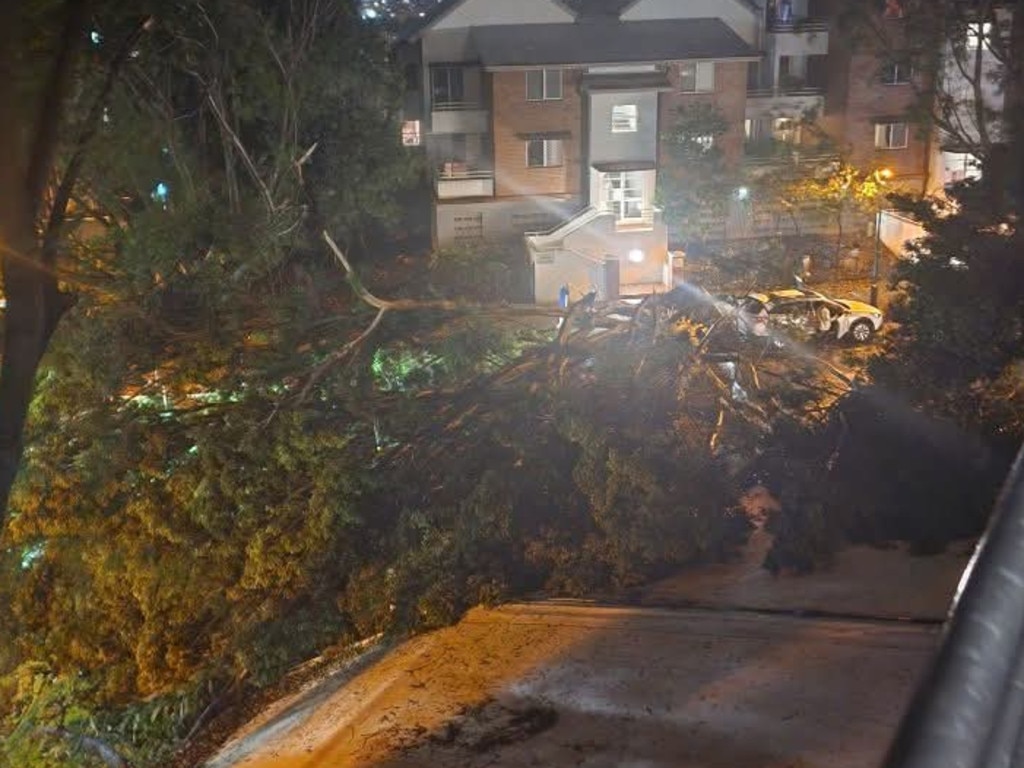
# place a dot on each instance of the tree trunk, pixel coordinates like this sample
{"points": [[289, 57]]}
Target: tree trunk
{"points": [[28, 142]]}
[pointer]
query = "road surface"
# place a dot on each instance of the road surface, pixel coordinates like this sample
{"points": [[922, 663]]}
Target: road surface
{"points": [[570, 684]]}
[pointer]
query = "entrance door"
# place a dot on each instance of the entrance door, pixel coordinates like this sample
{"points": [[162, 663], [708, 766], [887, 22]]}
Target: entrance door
{"points": [[624, 192]]}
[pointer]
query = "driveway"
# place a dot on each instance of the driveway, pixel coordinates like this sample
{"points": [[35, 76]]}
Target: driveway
{"points": [[555, 684]]}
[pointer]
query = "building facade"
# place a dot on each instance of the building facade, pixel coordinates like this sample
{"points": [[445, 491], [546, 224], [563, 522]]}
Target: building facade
{"points": [[545, 119]]}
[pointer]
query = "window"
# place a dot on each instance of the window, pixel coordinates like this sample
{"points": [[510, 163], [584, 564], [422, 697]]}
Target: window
{"points": [[624, 193], [411, 134], [543, 153], [543, 84], [891, 136], [624, 118], [697, 76], [786, 129], [977, 35], [960, 166], [446, 85], [897, 73]]}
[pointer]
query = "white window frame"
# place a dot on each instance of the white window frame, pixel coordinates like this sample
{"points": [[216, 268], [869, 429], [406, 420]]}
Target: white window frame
{"points": [[625, 118], [703, 77], [448, 76], [550, 84], [623, 197], [901, 72], [885, 133], [553, 153]]}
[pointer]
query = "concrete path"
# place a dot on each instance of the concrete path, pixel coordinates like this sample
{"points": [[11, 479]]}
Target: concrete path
{"points": [[580, 685], [863, 581]]}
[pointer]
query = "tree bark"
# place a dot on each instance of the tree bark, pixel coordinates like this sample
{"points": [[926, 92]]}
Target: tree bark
{"points": [[28, 144]]}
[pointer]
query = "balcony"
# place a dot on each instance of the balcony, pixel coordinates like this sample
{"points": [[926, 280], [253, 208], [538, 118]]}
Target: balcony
{"points": [[646, 221], [456, 179], [769, 152], [459, 117], [785, 101], [799, 37], [776, 25]]}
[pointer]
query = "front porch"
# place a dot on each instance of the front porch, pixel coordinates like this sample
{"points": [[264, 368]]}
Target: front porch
{"points": [[597, 251]]}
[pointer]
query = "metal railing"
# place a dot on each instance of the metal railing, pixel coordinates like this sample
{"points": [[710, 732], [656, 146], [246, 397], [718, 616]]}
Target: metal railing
{"points": [[456, 106], [969, 710], [797, 90], [774, 151], [798, 25], [568, 225], [451, 171], [645, 220]]}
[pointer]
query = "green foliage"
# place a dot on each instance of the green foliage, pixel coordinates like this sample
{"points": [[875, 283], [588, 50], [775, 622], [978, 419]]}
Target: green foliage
{"points": [[488, 271], [46, 723], [957, 347], [172, 538], [696, 187]]}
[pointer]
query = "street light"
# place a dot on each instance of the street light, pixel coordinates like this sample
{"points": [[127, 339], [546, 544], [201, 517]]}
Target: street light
{"points": [[881, 176]]}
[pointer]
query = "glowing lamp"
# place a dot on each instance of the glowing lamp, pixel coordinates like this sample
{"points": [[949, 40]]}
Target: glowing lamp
{"points": [[636, 256]]}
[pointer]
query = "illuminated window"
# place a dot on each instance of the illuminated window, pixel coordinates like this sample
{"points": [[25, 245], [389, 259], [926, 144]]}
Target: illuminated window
{"points": [[891, 136], [543, 153], [786, 129], [624, 118], [543, 84], [978, 33], [411, 133], [697, 77]]}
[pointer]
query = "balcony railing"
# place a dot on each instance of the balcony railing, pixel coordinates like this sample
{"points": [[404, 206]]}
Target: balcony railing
{"points": [[775, 152], [453, 106], [798, 25], [646, 220], [459, 117], [463, 169], [793, 91], [457, 179], [967, 709]]}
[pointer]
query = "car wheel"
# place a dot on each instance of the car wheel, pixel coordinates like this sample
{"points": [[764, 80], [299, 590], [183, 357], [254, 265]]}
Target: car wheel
{"points": [[861, 331]]}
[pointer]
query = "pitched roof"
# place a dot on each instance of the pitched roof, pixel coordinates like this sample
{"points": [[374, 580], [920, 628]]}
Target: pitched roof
{"points": [[585, 8], [412, 29], [626, 5], [608, 42]]}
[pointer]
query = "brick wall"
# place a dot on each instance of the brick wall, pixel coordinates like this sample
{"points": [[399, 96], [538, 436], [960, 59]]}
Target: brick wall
{"points": [[729, 96], [868, 101], [856, 101], [513, 115]]}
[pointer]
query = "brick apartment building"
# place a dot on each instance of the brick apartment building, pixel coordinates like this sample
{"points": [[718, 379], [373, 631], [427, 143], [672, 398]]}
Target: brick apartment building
{"points": [[546, 117]]}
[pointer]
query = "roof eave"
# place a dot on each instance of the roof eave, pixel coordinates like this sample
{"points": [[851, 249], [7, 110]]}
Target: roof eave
{"points": [[446, 9], [513, 67]]}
